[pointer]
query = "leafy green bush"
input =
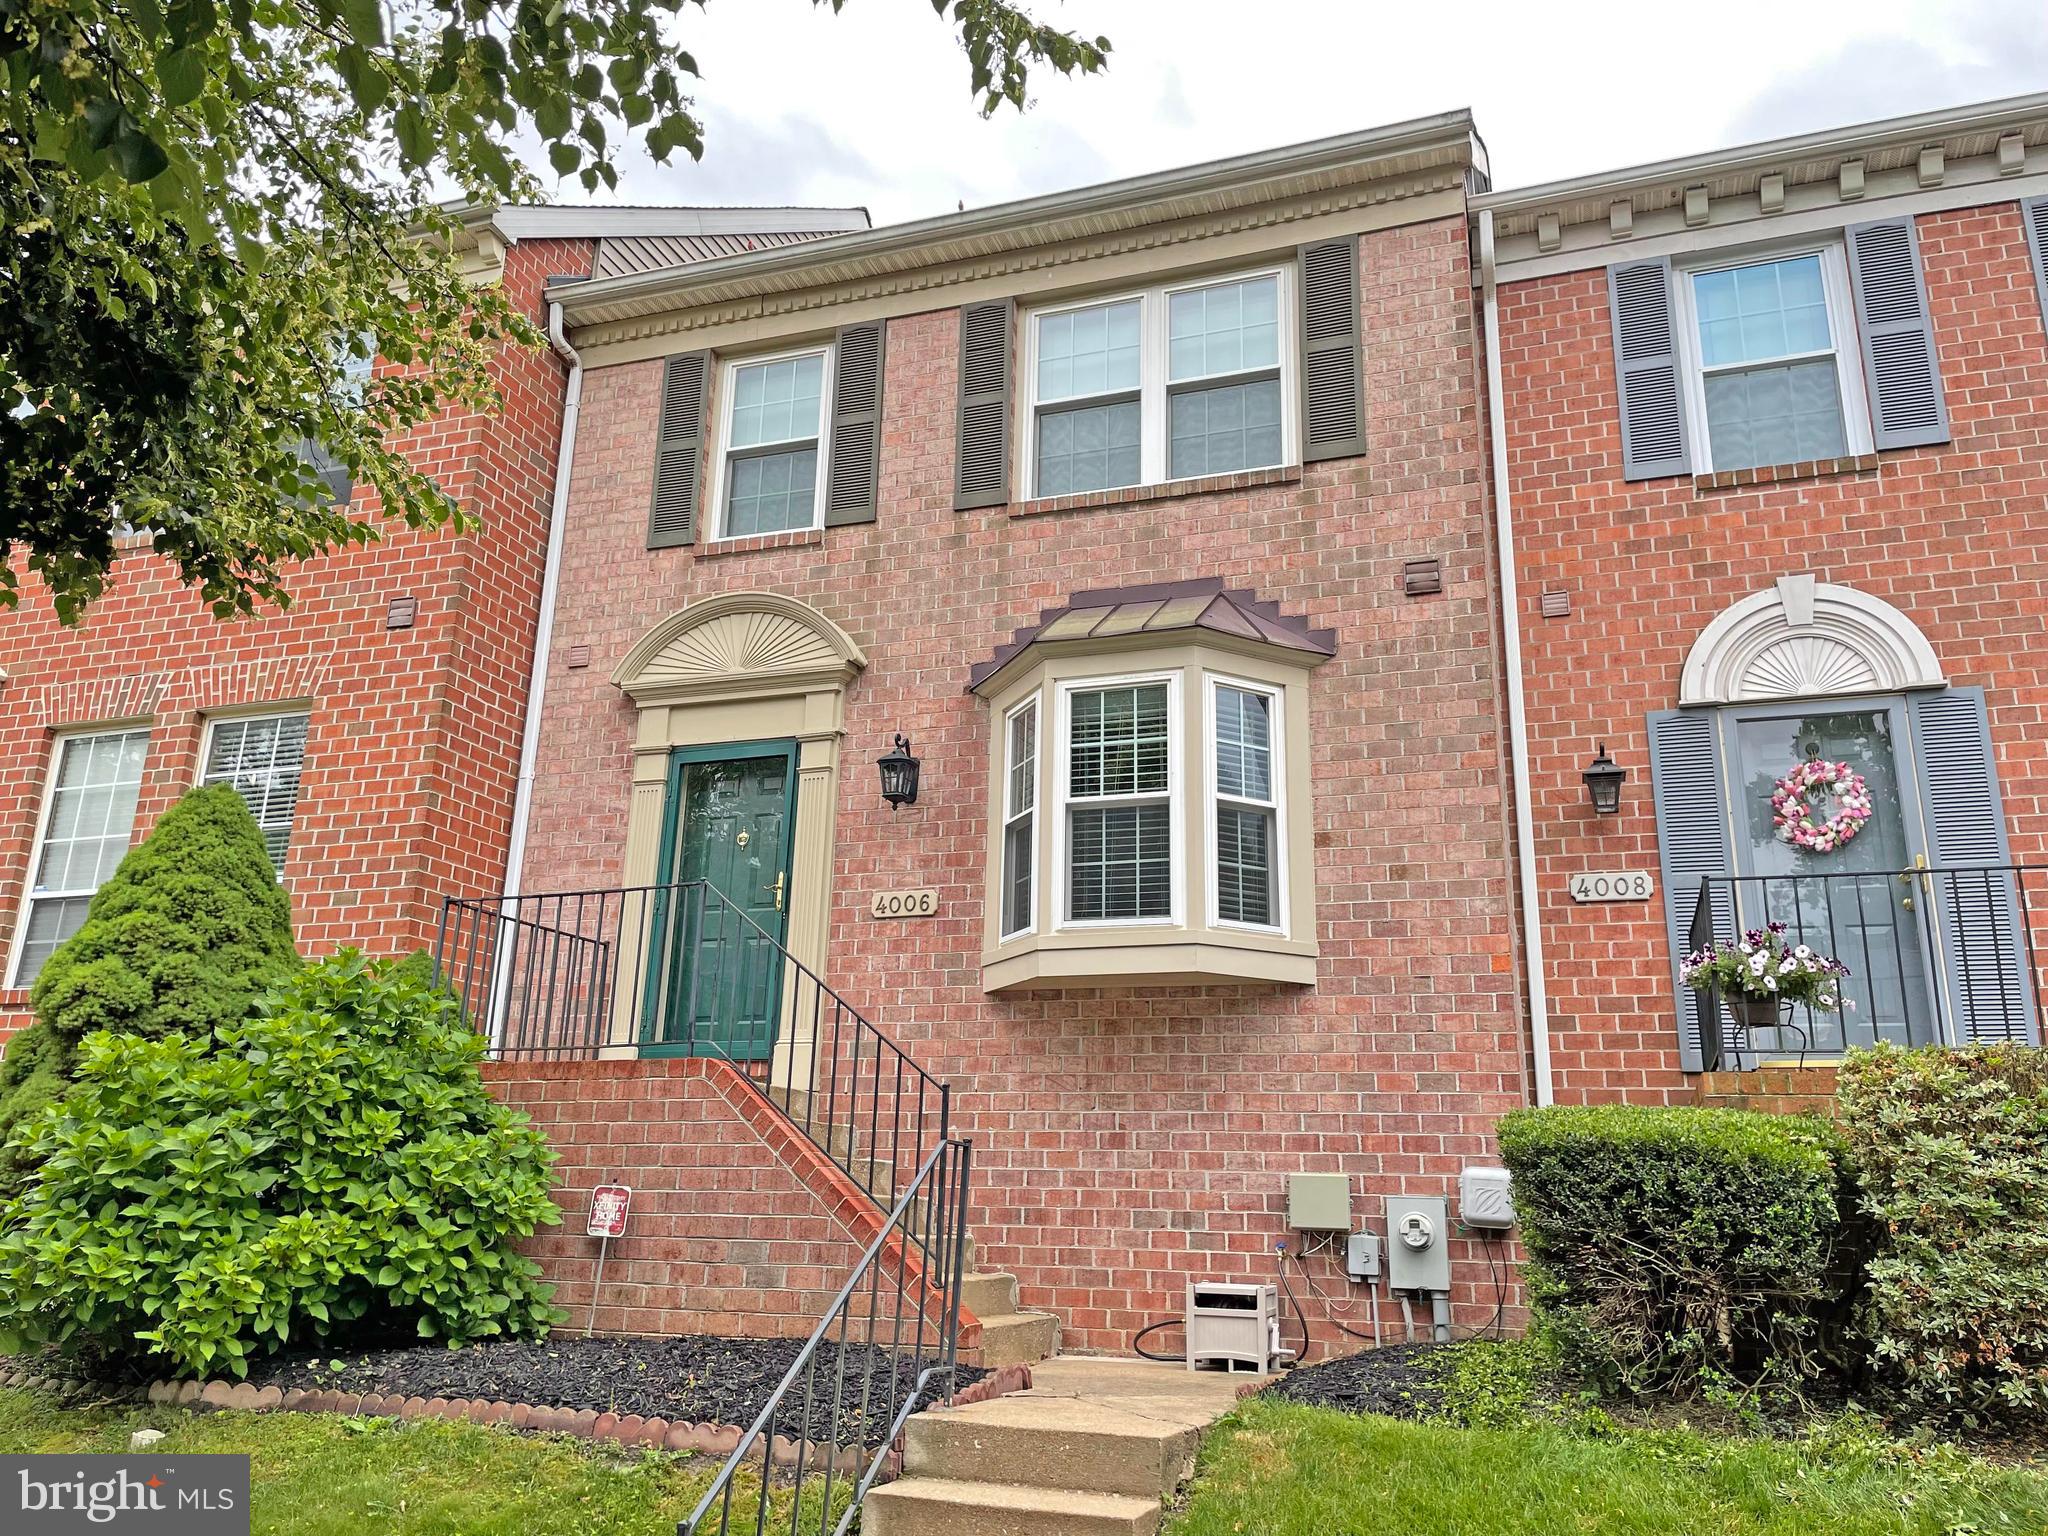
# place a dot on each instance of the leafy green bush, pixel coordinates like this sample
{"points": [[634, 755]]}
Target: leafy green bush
{"points": [[1675, 1248], [185, 935], [333, 1160], [34, 1075], [1951, 1150]]}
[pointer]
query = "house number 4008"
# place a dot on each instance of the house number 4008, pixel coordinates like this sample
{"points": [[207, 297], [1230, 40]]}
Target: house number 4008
{"points": [[1615, 885]]}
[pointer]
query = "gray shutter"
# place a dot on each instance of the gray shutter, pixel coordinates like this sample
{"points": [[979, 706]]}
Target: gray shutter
{"points": [[678, 465], [1984, 937], [1692, 844], [853, 480], [2034, 214], [1332, 369], [1646, 371], [1899, 364], [981, 475]]}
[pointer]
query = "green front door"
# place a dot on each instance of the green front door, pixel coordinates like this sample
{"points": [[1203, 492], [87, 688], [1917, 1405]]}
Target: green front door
{"points": [[718, 991]]}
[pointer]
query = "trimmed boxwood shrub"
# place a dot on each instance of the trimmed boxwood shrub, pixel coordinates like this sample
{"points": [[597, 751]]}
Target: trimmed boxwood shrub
{"points": [[185, 935], [1951, 1148], [332, 1162], [1671, 1248]]}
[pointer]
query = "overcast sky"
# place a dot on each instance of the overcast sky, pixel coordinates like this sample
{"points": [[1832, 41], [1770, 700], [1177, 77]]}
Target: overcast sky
{"points": [[871, 107]]}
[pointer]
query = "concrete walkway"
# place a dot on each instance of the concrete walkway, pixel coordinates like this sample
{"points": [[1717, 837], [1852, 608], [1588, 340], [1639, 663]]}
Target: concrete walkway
{"points": [[1091, 1450]]}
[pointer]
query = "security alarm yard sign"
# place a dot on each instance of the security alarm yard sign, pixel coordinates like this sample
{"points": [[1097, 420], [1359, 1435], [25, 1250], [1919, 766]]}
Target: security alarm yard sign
{"points": [[608, 1206]]}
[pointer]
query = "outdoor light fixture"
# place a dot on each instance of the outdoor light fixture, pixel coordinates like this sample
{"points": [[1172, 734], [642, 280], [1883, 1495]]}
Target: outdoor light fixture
{"points": [[899, 774], [1603, 782]]}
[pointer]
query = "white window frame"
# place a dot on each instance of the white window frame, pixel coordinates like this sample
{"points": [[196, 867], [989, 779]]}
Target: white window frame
{"points": [[1848, 348], [1174, 795], [61, 744], [721, 463], [1153, 369], [235, 716], [1011, 814], [1277, 719]]}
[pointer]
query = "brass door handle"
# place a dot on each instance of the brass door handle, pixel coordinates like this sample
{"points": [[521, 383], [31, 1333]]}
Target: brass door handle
{"points": [[784, 876]]}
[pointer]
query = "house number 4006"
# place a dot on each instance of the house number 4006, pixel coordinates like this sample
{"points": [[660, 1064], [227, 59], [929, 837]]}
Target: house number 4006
{"points": [[904, 904], [1615, 885]]}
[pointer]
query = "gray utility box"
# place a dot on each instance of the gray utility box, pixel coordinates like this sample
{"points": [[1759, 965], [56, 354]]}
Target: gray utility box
{"points": [[1319, 1202], [1231, 1324], [1418, 1232]]}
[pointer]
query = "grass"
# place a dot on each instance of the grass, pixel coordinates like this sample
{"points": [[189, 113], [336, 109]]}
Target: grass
{"points": [[1279, 1469], [322, 1475]]}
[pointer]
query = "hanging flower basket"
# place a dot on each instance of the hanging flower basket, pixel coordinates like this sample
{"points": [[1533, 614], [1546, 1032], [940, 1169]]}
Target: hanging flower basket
{"points": [[1760, 973], [1793, 811]]}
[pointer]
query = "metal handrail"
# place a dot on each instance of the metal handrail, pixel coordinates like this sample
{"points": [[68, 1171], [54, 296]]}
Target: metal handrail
{"points": [[928, 1218], [565, 975], [1972, 970]]}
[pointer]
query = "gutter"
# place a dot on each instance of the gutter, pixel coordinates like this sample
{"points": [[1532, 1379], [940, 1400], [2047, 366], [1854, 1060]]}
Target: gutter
{"points": [[551, 580], [1518, 711]]}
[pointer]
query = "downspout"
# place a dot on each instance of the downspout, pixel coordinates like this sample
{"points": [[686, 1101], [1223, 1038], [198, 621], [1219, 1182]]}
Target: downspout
{"points": [[550, 583], [1518, 710]]}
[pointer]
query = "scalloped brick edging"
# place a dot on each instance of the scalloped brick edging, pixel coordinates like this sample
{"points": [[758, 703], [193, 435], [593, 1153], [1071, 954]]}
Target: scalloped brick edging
{"points": [[657, 1434]]}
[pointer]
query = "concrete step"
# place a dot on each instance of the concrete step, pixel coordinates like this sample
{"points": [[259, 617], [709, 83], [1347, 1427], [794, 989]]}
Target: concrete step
{"points": [[992, 1293], [934, 1506], [1065, 1443], [1016, 1338]]}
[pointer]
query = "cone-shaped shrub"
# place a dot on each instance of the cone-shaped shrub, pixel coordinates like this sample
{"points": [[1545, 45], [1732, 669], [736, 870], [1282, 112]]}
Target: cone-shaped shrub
{"points": [[189, 930]]}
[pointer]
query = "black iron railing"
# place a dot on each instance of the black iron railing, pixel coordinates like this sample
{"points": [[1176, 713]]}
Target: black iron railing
{"points": [[682, 970], [1933, 955], [888, 1346]]}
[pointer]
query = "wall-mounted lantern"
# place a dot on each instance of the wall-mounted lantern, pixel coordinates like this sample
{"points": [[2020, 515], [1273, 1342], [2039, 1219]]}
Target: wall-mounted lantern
{"points": [[899, 774], [1603, 782]]}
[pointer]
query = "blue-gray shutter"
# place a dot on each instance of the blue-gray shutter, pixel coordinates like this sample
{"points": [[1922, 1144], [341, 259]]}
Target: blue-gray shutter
{"points": [[854, 474], [2034, 214], [1692, 845], [1646, 371], [981, 463], [1899, 362], [678, 464], [1984, 939], [1332, 364]]}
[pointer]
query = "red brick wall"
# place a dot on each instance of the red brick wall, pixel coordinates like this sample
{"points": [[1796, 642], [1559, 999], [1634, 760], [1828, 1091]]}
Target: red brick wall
{"points": [[1127, 1141], [414, 733], [1955, 536], [725, 1236]]}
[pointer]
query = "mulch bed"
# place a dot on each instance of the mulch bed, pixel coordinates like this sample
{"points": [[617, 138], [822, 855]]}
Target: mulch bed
{"points": [[694, 1379], [1399, 1381]]}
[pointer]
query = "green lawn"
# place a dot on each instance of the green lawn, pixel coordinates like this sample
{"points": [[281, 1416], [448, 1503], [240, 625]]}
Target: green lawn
{"points": [[321, 1475], [1278, 1469]]}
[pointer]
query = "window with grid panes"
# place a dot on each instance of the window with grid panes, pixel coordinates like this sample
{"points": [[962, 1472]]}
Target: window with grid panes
{"points": [[88, 817], [263, 757], [1119, 814]]}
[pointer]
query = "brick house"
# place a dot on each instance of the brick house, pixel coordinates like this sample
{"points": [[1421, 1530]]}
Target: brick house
{"points": [[1151, 520], [374, 726], [1771, 432]]}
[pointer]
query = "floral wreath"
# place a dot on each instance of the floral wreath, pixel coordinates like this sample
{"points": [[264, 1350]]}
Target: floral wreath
{"points": [[1792, 805]]}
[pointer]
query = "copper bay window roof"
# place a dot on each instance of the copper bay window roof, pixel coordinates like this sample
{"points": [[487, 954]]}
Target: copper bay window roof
{"points": [[1120, 613]]}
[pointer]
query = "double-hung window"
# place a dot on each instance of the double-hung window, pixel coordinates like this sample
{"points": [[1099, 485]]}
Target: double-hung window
{"points": [[1172, 383], [263, 757], [1119, 779], [1244, 737], [88, 815], [1020, 817], [772, 477], [1775, 378]]}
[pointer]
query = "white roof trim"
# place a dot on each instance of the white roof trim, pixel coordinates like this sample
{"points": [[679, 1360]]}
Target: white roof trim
{"points": [[1807, 639], [570, 222]]}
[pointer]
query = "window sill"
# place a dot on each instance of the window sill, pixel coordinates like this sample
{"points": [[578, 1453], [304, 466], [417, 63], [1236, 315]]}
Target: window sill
{"points": [[1771, 474], [1165, 490], [1136, 957], [795, 538]]}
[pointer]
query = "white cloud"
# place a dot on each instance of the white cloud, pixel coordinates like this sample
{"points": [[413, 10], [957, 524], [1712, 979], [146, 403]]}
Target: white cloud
{"points": [[870, 106]]}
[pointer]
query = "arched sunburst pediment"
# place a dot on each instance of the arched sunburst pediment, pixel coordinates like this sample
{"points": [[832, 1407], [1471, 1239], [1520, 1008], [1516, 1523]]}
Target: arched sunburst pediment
{"points": [[1807, 639], [738, 643]]}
